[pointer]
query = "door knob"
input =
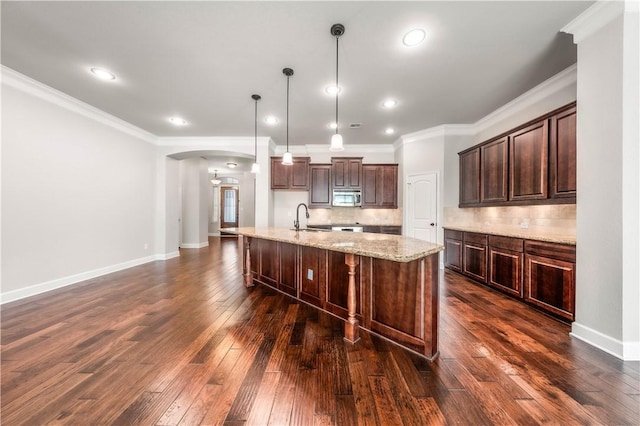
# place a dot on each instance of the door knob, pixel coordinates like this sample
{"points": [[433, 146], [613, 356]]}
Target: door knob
{"points": [[433, 224]]}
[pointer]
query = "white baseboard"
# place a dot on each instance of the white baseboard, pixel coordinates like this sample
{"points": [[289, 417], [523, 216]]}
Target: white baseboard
{"points": [[194, 245], [626, 351], [33, 290], [167, 256]]}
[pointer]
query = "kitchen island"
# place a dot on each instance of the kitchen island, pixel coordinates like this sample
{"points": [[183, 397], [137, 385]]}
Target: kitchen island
{"points": [[386, 284]]}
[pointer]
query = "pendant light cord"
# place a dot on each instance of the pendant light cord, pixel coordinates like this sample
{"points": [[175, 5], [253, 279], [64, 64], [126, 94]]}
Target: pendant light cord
{"points": [[287, 113], [337, 86], [255, 132]]}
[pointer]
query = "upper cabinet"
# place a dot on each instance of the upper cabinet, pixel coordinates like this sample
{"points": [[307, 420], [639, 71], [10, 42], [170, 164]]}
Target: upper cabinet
{"points": [[347, 172], [294, 177], [528, 160], [380, 186], [470, 177], [532, 164], [319, 185], [493, 179], [562, 154]]}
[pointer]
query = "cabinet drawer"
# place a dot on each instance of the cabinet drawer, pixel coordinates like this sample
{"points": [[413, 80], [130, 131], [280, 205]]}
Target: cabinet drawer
{"points": [[506, 243], [453, 235], [557, 251], [472, 237]]}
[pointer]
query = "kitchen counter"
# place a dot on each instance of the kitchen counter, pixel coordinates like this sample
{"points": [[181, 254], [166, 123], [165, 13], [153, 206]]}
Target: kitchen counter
{"points": [[386, 284], [551, 236], [381, 246]]}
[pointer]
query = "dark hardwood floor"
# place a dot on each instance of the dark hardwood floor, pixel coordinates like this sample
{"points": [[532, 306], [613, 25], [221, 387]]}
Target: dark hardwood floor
{"points": [[183, 342]]}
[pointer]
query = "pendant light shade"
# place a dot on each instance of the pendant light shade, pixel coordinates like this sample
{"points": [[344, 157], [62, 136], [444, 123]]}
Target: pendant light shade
{"points": [[215, 181], [255, 167], [336, 140], [287, 158]]}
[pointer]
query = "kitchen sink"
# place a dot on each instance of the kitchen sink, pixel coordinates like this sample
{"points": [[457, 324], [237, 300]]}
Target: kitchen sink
{"points": [[310, 230]]}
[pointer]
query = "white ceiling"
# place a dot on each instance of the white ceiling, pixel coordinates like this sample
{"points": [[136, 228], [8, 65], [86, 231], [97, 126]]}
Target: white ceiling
{"points": [[203, 61]]}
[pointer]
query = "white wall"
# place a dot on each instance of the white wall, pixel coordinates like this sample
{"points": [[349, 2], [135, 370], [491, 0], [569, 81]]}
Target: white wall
{"points": [[196, 196], [170, 186], [607, 301], [78, 195]]}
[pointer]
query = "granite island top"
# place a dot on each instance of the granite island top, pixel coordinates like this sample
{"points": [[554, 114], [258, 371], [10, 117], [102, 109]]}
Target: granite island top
{"points": [[382, 246], [548, 235]]}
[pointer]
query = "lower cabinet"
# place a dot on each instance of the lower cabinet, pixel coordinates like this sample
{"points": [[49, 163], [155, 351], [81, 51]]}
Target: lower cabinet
{"points": [[505, 264], [313, 275], [336, 302], [539, 273], [474, 255], [550, 277]]}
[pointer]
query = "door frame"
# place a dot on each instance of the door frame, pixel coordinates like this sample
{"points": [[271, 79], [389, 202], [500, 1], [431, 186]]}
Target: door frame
{"points": [[236, 188]]}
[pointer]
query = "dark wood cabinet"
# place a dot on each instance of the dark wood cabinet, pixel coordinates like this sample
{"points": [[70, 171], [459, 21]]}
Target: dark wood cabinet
{"points": [[550, 277], [474, 256], [494, 170], [319, 185], [469, 177], [505, 264], [312, 275], [528, 162], [269, 262], [337, 270], [288, 262], [294, 177], [380, 186], [562, 154], [347, 172], [453, 249]]}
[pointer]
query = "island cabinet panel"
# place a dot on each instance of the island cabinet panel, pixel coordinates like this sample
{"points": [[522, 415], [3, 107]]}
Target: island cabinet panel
{"points": [[320, 186], [562, 154], [288, 268], [505, 264], [469, 177], [401, 303], [529, 156], [453, 249], [337, 285], [474, 256], [269, 255], [550, 277], [254, 252], [494, 171], [313, 271]]}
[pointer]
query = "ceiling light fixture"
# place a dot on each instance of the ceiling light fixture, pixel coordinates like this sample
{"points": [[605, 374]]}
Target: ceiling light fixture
{"points": [[178, 121], [390, 103], [287, 158], [103, 74], [271, 120], [232, 165], [332, 90], [336, 140], [255, 167], [215, 181], [413, 37], [332, 125], [389, 131]]}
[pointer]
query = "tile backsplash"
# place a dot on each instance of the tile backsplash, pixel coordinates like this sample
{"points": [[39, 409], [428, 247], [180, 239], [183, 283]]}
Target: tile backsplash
{"points": [[554, 218], [353, 215]]}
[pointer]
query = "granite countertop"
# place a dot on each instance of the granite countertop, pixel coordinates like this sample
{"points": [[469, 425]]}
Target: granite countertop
{"points": [[382, 246], [548, 235]]}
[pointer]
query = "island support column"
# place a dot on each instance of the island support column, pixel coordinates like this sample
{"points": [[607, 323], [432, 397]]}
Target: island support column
{"points": [[248, 276], [351, 327]]}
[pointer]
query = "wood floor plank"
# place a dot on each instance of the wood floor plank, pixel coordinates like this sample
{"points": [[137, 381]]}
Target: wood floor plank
{"points": [[183, 342]]}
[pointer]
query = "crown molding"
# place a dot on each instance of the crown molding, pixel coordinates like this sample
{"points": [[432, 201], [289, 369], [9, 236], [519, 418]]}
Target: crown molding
{"points": [[41, 91], [212, 141], [594, 18], [350, 148], [563, 79], [435, 132]]}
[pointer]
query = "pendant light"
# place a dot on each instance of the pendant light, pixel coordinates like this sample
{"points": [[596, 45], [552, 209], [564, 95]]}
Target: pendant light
{"points": [[255, 167], [215, 181], [287, 158], [336, 140]]}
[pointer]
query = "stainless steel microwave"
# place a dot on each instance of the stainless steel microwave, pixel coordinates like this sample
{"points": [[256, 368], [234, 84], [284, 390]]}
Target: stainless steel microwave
{"points": [[346, 198]]}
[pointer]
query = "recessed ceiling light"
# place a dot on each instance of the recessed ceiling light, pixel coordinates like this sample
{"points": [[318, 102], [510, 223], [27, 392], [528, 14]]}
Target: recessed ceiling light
{"points": [[271, 120], [332, 90], [389, 131], [103, 74], [413, 37], [390, 103], [332, 125], [232, 165], [178, 121]]}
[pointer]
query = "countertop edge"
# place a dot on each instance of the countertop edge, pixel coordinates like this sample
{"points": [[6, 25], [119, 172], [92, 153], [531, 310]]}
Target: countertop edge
{"points": [[561, 239]]}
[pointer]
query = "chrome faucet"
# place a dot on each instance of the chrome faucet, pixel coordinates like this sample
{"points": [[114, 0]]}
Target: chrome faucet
{"points": [[296, 223]]}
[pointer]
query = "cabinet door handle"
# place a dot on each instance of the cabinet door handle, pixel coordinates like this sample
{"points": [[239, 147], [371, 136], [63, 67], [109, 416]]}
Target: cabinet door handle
{"points": [[433, 224]]}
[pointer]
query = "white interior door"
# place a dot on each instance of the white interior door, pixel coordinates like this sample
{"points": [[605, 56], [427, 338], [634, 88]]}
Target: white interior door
{"points": [[422, 207]]}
